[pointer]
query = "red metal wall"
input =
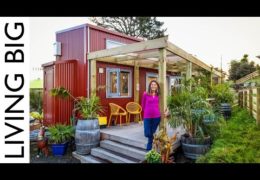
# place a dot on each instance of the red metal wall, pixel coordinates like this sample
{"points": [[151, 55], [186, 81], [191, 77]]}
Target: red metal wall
{"points": [[48, 101], [98, 39], [72, 47], [59, 73], [66, 76]]}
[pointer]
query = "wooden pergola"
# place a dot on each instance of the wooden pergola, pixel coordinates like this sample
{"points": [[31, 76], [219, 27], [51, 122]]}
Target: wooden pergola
{"points": [[156, 54]]}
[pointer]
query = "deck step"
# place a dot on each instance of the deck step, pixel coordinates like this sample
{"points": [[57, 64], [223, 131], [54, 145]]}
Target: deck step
{"points": [[123, 140], [130, 151], [111, 156], [88, 158]]}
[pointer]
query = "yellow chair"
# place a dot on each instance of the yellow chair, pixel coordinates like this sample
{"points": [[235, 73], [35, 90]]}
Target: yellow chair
{"points": [[116, 110], [134, 108]]}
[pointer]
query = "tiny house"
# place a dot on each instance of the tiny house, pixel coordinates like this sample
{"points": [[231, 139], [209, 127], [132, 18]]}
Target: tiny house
{"points": [[114, 81]]}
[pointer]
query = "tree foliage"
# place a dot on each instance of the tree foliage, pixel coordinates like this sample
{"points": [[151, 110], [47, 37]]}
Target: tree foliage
{"points": [[145, 27], [241, 68]]}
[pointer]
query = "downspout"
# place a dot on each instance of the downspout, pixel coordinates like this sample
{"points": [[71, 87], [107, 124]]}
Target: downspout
{"points": [[88, 61]]}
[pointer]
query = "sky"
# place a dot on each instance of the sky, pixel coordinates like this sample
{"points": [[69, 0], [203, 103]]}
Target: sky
{"points": [[208, 38]]}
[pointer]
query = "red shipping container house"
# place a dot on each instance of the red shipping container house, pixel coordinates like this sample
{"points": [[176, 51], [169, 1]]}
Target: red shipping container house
{"points": [[118, 67]]}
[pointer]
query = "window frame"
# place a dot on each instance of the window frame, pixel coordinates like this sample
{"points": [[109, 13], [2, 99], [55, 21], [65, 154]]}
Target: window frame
{"points": [[117, 94], [117, 43]]}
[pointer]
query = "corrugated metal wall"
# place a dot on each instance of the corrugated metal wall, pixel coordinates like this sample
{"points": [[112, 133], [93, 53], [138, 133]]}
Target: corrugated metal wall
{"points": [[60, 73], [48, 101], [72, 47], [66, 76]]}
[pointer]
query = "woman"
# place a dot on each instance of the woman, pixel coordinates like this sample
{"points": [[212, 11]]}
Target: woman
{"points": [[152, 116]]}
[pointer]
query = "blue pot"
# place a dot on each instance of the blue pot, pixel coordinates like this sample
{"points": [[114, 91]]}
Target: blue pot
{"points": [[59, 149]]}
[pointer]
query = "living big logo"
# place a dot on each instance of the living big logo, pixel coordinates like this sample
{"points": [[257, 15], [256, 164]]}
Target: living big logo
{"points": [[14, 91]]}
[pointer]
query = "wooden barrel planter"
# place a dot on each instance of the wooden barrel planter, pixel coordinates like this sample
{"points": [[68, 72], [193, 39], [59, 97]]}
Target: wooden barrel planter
{"points": [[194, 147], [87, 135]]}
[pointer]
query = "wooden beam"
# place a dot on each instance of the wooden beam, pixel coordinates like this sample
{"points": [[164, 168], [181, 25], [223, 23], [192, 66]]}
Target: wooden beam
{"points": [[136, 84], [135, 47], [93, 65], [153, 54], [162, 83], [189, 72], [248, 77], [180, 52]]}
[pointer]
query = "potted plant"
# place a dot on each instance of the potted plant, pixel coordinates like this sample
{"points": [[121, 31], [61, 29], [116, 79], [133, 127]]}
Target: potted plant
{"points": [[60, 135], [87, 134], [189, 107], [223, 99]]}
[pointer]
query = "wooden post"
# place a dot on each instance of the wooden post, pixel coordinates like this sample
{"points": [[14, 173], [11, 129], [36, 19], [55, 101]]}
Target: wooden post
{"points": [[211, 75], [93, 65], [136, 84], [219, 80], [189, 72], [258, 108], [245, 99], [251, 101], [162, 83]]}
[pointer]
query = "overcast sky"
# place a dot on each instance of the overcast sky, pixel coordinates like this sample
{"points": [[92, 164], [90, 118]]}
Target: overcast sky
{"points": [[208, 38]]}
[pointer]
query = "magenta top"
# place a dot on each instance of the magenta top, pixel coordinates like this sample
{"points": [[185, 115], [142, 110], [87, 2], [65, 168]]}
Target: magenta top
{"points": [[150, 105]]}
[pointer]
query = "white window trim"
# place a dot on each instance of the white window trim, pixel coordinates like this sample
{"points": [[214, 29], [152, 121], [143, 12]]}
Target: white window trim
{"points": [[113, 42], [130, 84]]}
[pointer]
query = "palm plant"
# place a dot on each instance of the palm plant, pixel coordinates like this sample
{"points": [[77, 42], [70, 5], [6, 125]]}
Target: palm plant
{"points": [[87, 107], [188, 107]]}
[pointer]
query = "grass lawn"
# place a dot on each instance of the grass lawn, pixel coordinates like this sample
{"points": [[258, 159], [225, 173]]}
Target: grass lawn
{"points": [[237, 142]]}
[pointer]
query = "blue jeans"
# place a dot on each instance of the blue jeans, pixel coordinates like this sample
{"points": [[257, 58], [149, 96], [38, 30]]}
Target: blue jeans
{"points": [[150, 126]]}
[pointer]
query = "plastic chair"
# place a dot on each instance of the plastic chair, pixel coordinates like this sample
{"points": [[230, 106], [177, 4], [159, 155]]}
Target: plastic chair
{"points": [[135, 109], [116, 110]]}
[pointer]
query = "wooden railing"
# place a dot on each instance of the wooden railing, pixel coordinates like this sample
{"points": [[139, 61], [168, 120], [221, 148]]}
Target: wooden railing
{"points": [[250, 99]]}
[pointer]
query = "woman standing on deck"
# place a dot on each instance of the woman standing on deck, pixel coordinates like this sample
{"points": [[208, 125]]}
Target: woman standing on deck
{"points": [[152, 116]]}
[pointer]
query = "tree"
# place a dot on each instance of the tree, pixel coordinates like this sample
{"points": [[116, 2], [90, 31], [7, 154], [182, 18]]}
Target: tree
{"points": [[241, 68], [145, 27]]}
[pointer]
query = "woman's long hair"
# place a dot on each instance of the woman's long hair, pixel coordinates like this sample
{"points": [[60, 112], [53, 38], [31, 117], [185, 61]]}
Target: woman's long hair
{"points": [[157, 92]]}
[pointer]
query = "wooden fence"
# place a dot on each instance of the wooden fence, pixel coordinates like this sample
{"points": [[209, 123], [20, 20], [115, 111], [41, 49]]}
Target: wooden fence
{"points": [[250, 99]]}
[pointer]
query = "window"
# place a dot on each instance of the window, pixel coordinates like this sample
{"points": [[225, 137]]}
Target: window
{"points": [[119, 83], [171, 81], [112, 44], [149, 78]]}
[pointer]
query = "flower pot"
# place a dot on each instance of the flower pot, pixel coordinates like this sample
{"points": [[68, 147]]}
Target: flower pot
{"points": [[225, 110], [87, 135], [59, 149], [194, 147]]}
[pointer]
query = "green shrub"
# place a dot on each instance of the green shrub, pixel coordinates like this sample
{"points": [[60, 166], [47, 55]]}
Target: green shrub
{"points": [[153, 157], [61, 133]]}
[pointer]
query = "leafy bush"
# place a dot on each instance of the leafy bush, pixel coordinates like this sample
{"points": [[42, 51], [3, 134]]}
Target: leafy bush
{"points": [[238, 141], [222, 94], [153, 157], [60, 133], [36, 97]]}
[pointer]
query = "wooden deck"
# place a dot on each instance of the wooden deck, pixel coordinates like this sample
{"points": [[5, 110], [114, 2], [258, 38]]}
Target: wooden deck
{"points": [[134, 133]]}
